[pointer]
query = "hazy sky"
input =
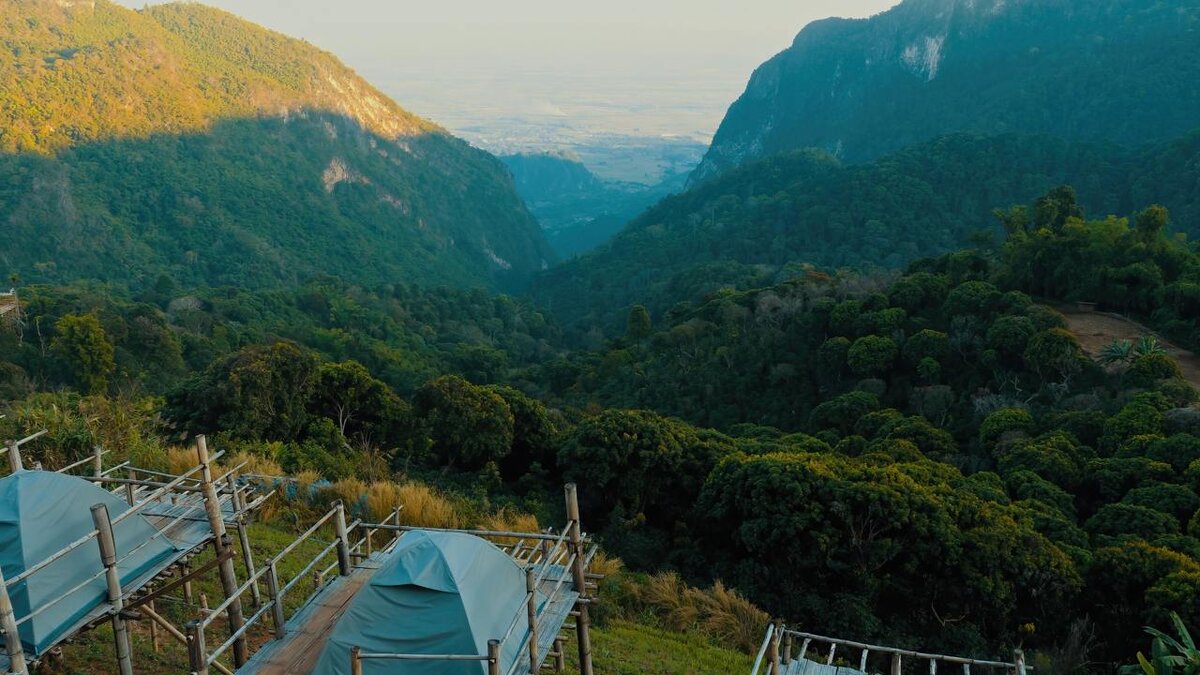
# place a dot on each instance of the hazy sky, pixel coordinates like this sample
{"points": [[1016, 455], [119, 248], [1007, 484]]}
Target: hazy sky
{"points": [[465, 62]]}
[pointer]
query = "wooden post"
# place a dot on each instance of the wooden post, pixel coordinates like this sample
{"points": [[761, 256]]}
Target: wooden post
{"points": [[932, 666], [787, 648], [108, 556], [773, 654], [582, 622], [804, 647], [239, 507], [14, 457], [355, 661], [897, 666], [197, 652], [184, 570], [966, 669], [531, 612], [97, 462], [153, 629], [229, 584], [12, 637], [343, 540], [130, 493], [276, 601], [1019, 660], [560, 656], [493, 657]]}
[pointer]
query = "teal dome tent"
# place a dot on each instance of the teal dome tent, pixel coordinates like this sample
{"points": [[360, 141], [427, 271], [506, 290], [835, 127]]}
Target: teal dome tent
{"points": [[436, 593]]}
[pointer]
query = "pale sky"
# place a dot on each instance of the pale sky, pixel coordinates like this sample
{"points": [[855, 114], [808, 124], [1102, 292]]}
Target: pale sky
{"points": [[466, 62]]}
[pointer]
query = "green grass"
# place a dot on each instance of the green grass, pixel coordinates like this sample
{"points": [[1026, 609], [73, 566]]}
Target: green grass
{"points": [[626, 648]]}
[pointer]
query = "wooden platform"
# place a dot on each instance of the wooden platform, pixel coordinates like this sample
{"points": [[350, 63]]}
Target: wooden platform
{"points": [[308, 630]]}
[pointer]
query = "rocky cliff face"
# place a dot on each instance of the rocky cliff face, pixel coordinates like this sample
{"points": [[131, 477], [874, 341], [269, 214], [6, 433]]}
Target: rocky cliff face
{"points": [[1118, 71]]}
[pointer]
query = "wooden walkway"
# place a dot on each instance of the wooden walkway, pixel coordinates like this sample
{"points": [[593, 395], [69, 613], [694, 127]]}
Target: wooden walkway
{"points": [[309, 629]]}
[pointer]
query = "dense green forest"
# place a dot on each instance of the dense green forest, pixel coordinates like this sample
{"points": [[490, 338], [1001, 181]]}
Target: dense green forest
{"points": [[1116, 71], [755, 225], [890, 457], [181, 139]]}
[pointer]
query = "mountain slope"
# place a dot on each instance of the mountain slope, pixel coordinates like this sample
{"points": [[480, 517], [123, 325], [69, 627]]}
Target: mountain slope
{"points": [[1120, 71], [183, 140], [758, 224]]}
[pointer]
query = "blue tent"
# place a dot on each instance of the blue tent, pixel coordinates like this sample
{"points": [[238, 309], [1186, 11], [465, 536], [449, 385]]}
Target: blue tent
{"points": [[41, 513], [436, 593]]}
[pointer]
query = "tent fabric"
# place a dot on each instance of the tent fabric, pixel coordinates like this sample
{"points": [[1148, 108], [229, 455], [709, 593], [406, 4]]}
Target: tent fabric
{"points": [[41, 512], [435, 593]]}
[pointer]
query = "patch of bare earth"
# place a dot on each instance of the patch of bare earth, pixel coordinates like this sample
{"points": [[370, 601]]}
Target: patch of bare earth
{"points": [[1095, 330]]}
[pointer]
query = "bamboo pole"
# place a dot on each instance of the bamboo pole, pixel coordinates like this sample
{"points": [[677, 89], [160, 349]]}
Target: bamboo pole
{"points": [[493, 657], [239, 508], [531, 612], [153, 630], [355, 661], [343, 540], [174, 632], [12, 637], [276, 601], [773, 654], [130, 492], [787, 648], [229, 584], [97, 462], [582, 622], [897, 665], [14, 457], [108, 556], [560, 657], [197, 652]]}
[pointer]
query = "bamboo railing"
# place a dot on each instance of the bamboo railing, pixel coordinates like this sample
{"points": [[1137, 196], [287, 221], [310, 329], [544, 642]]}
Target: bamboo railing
{"points": [[776, 654]]}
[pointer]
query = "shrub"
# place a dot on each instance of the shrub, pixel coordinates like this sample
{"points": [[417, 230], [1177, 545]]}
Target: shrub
{"points": [[871, 355], [1010, 421]]}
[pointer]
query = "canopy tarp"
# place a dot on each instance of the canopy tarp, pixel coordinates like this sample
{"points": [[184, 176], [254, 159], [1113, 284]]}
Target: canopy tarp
{"points": [[436, 593], [41, 512]]}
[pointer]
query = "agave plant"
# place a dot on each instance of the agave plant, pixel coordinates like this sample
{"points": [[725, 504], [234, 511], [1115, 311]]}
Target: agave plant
{"points": [[1117, 351], [1147, 346], [1168, 656]]}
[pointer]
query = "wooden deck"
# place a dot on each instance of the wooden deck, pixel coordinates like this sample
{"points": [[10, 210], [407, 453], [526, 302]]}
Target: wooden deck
{"points": [[308, 630]]}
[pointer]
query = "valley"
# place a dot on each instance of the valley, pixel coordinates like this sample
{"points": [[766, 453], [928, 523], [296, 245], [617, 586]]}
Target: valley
{"points": [[905, 353]]}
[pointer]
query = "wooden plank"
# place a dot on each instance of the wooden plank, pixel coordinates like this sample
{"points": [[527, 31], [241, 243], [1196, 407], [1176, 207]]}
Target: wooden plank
{"points": [[308, 631]]}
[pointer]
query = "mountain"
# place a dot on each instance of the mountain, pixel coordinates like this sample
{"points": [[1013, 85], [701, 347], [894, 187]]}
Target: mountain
{"points": [[761, 223], [1121, 71], [577, 209], [182, 140]]}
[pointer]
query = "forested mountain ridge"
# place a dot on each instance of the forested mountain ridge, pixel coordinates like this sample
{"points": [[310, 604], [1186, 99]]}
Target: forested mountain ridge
{"points": [[182, 140], [755, 225], [1117, 71]]}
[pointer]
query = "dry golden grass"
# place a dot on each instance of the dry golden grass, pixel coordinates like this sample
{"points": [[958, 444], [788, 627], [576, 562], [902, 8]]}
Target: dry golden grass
{"points": [[669, 596], [349, 491], [509, 519], [730, 618], [257, 465], [425, 508], [179, 461], [305, 480], [606, 566], [382, 499]]}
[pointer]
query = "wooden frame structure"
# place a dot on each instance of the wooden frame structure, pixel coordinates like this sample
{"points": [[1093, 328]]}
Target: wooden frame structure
{"points": [[190, 510], [775, 655], [556, 565]]}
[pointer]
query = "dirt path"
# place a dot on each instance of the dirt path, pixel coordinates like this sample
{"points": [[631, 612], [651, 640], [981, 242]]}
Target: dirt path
{"points": [[1095, 330]]}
